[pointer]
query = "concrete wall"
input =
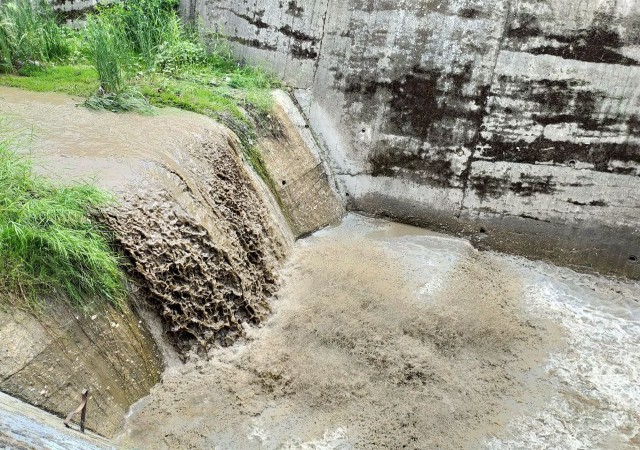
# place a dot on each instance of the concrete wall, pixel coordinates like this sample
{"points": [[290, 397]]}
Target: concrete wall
{"points": [[513, 122]]}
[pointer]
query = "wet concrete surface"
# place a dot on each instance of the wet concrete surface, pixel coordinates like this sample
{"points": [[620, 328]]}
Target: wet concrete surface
{"points": [[24, 427]]}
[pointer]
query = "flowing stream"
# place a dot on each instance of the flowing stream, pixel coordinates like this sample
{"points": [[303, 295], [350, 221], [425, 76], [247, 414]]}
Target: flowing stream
{"points": [[388, 335], [380, 336]]}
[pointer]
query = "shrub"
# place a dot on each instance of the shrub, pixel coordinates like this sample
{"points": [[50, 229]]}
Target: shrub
{"points": [[177, 55]]}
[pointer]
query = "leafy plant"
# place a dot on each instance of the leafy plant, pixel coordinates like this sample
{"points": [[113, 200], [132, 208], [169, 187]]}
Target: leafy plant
{"points": [[172, 57]]}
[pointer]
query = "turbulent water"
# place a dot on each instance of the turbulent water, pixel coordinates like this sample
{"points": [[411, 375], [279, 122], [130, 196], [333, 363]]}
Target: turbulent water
{"points": [[390, 336], [595, 378]]}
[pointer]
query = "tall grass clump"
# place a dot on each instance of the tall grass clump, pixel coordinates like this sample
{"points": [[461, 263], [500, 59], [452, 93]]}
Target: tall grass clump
{"points": [[149, 25], [29, 35], [48, 239], [110, 53]]}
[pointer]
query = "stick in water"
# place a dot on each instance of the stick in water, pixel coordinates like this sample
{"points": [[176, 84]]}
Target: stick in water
{"points": [[82, 409]]}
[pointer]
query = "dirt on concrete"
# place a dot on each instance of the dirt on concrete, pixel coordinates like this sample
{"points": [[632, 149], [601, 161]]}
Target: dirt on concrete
{"points": [[356, 355]]}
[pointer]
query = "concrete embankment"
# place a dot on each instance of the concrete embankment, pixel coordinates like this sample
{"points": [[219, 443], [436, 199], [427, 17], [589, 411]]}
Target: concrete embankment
{"points": [[512, 123], [204, 237]]}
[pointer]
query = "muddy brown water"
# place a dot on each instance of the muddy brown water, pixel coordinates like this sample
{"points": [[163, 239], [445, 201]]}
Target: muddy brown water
{"points": [[388, 336], [203, 239]]}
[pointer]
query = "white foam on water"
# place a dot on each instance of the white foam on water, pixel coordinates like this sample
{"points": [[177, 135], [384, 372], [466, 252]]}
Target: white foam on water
{"points": [[331, 440], [596, 378], [429, 259], [424, 255]]}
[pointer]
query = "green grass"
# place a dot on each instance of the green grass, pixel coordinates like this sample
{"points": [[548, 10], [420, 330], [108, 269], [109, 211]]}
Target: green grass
{"points": [[81, 80], [142, 54], [49, 242], [129, 56]]}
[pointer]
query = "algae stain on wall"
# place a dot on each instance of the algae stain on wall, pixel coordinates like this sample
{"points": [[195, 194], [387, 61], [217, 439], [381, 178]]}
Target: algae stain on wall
{"points": [[517, 117]]}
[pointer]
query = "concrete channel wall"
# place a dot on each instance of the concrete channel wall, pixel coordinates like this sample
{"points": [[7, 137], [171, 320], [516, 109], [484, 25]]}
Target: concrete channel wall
{"points": [[513, 122]]}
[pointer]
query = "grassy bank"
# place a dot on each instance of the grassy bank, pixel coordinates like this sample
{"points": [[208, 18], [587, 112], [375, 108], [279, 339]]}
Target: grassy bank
{"points": [[49, 243], [135, 56]]}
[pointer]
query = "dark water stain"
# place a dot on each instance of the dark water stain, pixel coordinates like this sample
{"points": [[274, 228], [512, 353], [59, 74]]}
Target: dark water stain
{"points": [[442, 108], [584, 52], [293, 9], [423, 166], [296, 34], [591, 203], [528, 26], [624, 170], [423, 98], [469, 13], [528, 185], [559, 101], [531, 184], [537, 219], [299, 52], [255, 21], [599, 154], [633, 125], [255, 43], [599, 43]]}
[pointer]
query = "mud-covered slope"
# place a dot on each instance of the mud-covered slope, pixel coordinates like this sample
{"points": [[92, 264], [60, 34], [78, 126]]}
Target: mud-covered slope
{"points": [[197, 225], [201, 240], [202, 234]]}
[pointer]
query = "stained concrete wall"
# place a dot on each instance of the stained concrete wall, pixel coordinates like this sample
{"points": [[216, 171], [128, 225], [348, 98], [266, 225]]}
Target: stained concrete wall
{"points": [[305, 189], [513, 122]]}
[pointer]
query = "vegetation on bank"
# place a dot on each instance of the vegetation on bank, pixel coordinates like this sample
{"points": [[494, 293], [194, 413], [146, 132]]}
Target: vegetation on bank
{"points": [[49, 242], [129, 56], [133, 56]]}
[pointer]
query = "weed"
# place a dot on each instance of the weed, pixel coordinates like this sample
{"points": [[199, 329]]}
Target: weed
{"points": [[127, 100], [109, 53], [29, 35], [48, 240]]}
